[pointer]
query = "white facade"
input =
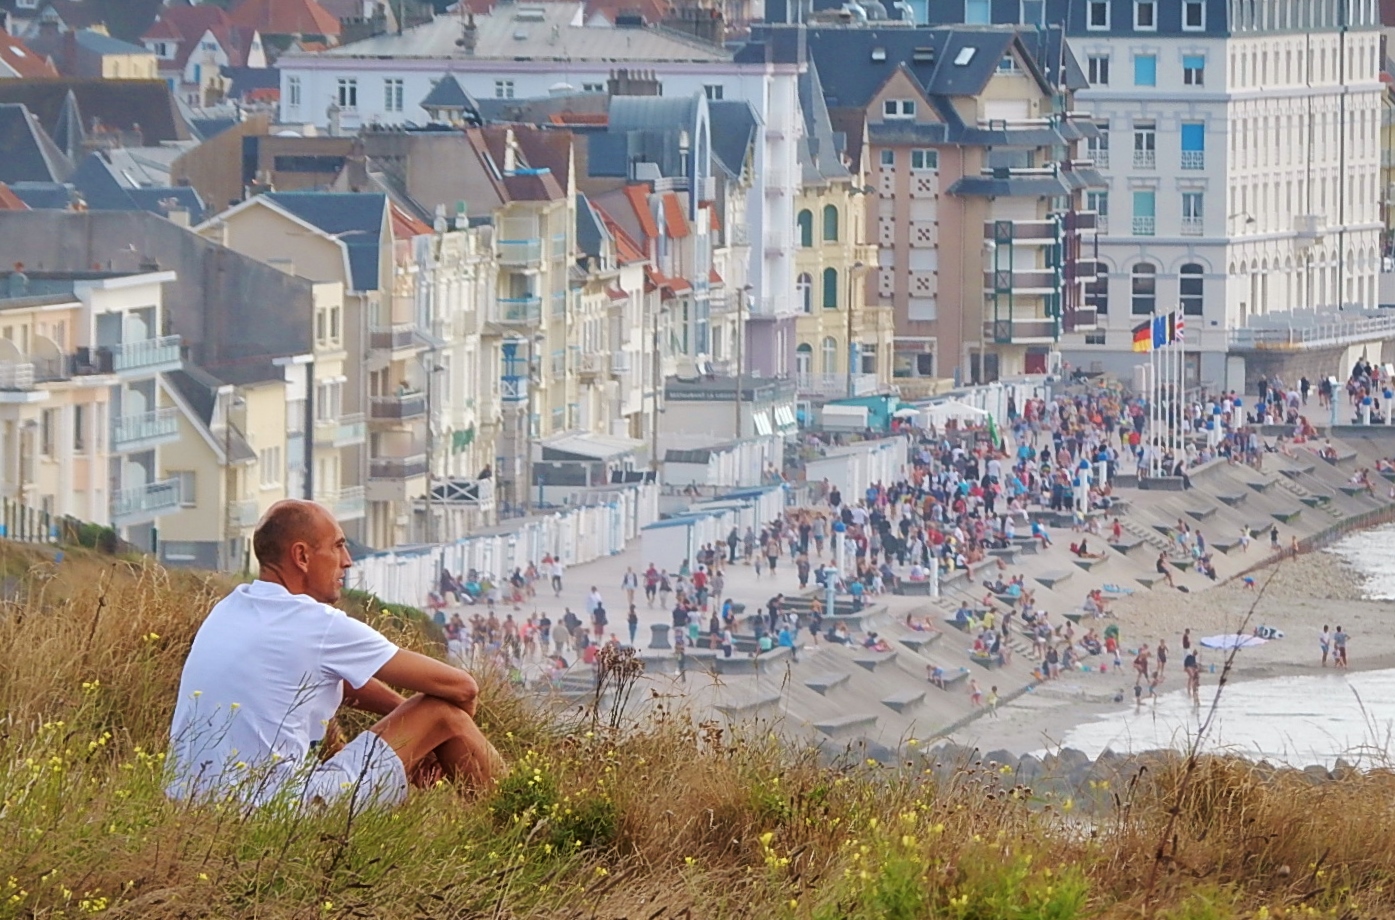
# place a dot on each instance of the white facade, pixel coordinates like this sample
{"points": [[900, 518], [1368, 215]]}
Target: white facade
{"points": [[1246, 176]]}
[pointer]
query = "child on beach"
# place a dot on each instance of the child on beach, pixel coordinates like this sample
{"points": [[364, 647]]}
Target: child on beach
{"points": [[993, 701], [975, 694], [1324, 643], [1339, 648], [1244, 539]]}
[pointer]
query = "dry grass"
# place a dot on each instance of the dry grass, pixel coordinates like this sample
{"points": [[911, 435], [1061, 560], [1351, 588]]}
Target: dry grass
{"points": [[666, 819]]}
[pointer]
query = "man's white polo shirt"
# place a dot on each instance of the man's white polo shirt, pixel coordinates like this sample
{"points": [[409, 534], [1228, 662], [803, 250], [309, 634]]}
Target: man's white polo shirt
{"points": [[263, 677]]}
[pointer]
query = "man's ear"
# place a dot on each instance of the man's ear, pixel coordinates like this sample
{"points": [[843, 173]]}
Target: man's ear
{"points": [[300, 555]]}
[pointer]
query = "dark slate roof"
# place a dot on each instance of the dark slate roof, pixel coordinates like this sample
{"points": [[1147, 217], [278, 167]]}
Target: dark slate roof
{"points": [[102, 191], [67, 131], [184, 196], [734, 126], [199, 390], [43, 196], [26, 152], [1024, 186], [539, 110], [120, 104], [591, 233], [356, 219], [851, 77], [208, 128], [449, 94], [98, 43], [821, 153], [246, 79]]}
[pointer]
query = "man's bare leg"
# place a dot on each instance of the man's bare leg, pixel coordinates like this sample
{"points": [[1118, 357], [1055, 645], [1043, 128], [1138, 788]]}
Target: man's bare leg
{"points": [[424, 725]]}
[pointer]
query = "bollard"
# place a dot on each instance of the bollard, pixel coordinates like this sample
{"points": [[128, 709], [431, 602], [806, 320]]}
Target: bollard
{"points": [[659, 636]]}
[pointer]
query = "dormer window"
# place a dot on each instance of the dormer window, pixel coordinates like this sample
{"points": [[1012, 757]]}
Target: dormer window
{"points": [[1008, 64], [898, 108]]}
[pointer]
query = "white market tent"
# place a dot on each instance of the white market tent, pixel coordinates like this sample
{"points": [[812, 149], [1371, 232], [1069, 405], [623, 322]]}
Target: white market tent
{"points": [[936, 415]]}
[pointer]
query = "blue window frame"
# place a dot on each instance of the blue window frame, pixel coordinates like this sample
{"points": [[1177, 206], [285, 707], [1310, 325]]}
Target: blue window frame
{"points": [[1145, 70]]}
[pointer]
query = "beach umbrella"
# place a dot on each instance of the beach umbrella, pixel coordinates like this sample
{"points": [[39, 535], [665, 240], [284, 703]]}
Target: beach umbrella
{"points": [[1232, 641]]}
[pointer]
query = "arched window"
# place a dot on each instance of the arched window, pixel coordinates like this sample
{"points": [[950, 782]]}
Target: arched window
{"points": [[830, 224], [1191, 288], [804, 359], [830, 355], [830, 288], [1145, 288], [805, 222], [805, 288]]}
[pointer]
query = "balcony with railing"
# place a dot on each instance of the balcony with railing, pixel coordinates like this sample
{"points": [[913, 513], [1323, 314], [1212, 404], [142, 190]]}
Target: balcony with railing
{"points": [[1024, 231], [16, 375], [398, 407], [1144, 226], [1080, 319], [1102, 223], [351, 503], [396, 337], [521, 310], [1101, 157], [619, 362], [144, 429], [591, 364], [525, 252], [1026, 330], [1191, 226], [344, 431], [1145, 159], [149, 355], [397, 468], [1039, 281], [1193, 159], [137, 504]]}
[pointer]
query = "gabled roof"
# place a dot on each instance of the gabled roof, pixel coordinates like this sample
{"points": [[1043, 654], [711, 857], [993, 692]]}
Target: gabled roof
{"points": [[26, 152], [44, 196], [102, 190], [114, 104], [355, 219], [285, 17], [627, 251], [18, 57], [187, 25], [405, 226], [449, 94], [820, 153], [101, 43]]}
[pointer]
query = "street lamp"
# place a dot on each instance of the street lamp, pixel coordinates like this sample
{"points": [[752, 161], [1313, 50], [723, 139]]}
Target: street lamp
{"points": [[431, 370], [853, 271], [741, 295], [232, 519]]}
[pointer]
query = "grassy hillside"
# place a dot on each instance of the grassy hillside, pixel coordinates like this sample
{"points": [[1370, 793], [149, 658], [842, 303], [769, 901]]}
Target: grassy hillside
{"points": [[664, 820]]}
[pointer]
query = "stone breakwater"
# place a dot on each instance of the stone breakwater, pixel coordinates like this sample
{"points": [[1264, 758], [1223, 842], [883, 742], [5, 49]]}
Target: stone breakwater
{"points": [[1090, 784]]}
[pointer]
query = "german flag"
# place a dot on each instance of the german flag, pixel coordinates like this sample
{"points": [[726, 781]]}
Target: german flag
{"points": [[1143, 336]]}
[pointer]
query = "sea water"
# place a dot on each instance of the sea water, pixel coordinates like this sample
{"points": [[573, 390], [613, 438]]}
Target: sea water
{"points": [[1298, 720]]}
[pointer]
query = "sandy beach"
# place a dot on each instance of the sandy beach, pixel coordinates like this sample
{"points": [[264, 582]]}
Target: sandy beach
{"points": [[1295, 595]]}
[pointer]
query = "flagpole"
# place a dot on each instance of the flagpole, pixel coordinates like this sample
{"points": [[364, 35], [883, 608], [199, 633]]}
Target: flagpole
{"points": [[1181, 391], [1152, 402]]}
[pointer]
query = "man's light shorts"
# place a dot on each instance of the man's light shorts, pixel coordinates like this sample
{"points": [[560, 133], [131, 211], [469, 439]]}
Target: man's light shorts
{"points": [[367, 772]]}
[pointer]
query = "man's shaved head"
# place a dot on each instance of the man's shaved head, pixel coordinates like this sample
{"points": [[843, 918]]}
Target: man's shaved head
{"points": [[286, 523]]}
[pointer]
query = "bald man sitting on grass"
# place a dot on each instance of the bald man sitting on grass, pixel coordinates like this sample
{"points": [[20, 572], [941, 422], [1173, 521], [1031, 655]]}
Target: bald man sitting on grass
{"points": [[272, 664]]}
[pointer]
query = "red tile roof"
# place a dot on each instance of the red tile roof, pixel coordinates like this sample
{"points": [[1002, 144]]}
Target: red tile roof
{"points": [[9, 201], [405, 226], [674, 218], [187, 25], [22, 59], [285, 17], [638, 196], [713, 277]]}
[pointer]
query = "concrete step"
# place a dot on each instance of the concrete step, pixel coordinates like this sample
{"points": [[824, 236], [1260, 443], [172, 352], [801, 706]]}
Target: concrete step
{"points": [[1090, 564], [1261, 485], [1052, 579], [1312, 499], [1233, 499], [906, 699], [746, 664], [920, 641], [750, 705], [1125, 544], [842, 725], [823, 684], [1202, 513], [1287, 516], [873, 661]]}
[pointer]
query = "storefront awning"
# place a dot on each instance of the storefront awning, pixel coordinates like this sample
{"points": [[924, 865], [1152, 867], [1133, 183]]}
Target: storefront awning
{"points": [[588, 447]]}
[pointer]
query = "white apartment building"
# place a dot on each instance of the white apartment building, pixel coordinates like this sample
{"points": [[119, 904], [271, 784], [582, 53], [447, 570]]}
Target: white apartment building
{"points": [[531, 50], [1240, 141]]}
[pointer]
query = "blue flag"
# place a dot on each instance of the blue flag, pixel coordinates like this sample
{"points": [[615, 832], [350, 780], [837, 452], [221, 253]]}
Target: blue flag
{"points": [[1159, 331]]}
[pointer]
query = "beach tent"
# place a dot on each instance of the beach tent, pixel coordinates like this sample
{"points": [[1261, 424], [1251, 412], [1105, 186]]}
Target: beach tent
{"points": [[937, 414], [1232, 641]]}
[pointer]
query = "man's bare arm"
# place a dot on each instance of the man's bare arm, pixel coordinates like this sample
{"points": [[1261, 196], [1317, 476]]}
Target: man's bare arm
{"points": [[417, 673], [375, 697]]}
